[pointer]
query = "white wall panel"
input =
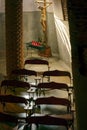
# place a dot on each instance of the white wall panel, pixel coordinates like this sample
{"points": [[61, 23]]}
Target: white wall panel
{"points": [[31, 5], [2, 5]]}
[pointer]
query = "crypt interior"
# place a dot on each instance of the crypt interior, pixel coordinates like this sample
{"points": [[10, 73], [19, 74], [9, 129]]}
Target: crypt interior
{"points": [[64, 35]]}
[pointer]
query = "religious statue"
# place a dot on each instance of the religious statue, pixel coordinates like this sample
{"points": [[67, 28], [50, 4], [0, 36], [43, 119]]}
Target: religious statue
{"points": [[42, 5], [43, 13]]}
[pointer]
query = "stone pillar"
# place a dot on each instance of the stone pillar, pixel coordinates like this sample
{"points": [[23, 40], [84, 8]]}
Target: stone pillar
{"points": [[14, 35], [77, 11], [45, 32]]}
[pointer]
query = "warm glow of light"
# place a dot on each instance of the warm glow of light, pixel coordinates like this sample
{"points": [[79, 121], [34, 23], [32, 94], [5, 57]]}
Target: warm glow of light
{"points": [[63, 32]]}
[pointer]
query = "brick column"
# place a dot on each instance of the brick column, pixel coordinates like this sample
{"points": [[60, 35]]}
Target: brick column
{"points": [[77, 11], [14, 35]]}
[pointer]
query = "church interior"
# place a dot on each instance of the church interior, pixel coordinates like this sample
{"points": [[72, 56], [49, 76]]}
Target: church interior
{"points": [[43, 65]]}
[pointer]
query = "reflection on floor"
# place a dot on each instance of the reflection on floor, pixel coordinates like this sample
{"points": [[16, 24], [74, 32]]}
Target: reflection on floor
{"points": [[55, 63]]}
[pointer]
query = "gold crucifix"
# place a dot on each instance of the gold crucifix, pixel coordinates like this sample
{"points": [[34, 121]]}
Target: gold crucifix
{"points": [[43, 15]]}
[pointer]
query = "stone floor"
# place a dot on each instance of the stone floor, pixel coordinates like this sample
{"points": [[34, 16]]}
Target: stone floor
{"points": [[54, 62]]}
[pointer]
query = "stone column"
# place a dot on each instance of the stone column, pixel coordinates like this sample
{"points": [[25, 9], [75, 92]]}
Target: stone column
{"points": [[14, 35], [45, 32], [77, 11]]}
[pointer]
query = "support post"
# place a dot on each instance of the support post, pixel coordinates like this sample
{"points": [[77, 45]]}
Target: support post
{"points": [[14, 35]]}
